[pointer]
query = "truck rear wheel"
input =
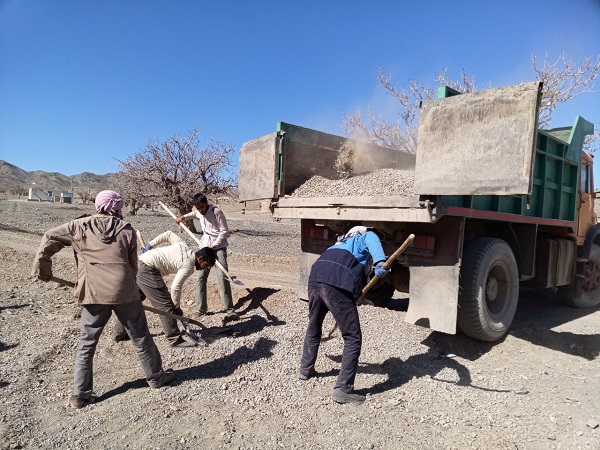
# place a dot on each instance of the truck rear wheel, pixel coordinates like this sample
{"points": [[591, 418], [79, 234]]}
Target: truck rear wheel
{"points": [[489, 289], [590, 292], [381, 294]]}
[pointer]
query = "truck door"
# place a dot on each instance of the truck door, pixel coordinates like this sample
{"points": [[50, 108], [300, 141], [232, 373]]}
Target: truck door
{"points": [[585, 208]]}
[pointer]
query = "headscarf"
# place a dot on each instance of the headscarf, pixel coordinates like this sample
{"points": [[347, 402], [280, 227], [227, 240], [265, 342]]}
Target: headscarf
{"points": [[354, 231], [109, 202]]}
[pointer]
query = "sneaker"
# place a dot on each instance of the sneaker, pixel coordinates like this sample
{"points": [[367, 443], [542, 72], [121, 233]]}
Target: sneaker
{"points": [[167, 378], [78, 402], [308, 376], [340, 396], [182, 343]]}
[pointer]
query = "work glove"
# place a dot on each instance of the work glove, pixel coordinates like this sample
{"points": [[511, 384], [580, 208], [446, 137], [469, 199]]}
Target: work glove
{"points": [[146, 248], [380, 271]]}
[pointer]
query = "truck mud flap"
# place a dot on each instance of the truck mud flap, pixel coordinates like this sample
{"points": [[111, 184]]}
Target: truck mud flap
{"points": [[434, 297]]}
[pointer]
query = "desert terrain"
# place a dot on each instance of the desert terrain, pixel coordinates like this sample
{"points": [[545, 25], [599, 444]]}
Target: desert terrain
{"points": [[538, 388]]}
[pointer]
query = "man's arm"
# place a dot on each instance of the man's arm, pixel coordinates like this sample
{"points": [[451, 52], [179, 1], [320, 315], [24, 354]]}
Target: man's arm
{"points": [[53, 241], [167, 238], [223, 229], [189, 215], [373, 244], [177, 284]]}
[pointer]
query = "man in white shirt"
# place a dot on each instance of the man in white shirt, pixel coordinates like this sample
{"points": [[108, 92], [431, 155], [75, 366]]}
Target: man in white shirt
{"points": [[172, 255], [215, 232]]}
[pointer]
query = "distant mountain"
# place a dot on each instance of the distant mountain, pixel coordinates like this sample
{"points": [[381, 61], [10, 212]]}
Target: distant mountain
{"points": [[13, 179]]}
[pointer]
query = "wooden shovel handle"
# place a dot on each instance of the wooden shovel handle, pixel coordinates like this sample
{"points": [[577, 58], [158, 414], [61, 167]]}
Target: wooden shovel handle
{"points": [[146, 307], [198, 241], [182, 225], [374, 280], [386, 265]]}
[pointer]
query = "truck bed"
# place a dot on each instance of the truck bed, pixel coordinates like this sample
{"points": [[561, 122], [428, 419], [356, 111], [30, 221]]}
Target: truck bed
{"points": [[363, 208], [521, 174]]}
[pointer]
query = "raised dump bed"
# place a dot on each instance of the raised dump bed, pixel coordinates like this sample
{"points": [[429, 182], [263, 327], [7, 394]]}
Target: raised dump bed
{"points": [[555, 179], [475, 155]]}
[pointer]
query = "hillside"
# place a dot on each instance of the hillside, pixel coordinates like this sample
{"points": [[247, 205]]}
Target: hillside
{"points": [[14, 179]]}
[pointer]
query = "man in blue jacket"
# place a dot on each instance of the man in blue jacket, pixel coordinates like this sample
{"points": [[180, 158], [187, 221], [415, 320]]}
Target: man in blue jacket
{"points": [[335, 282]]}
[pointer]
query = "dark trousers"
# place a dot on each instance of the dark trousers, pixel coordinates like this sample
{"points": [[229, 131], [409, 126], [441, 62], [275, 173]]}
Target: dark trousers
{"points": [[321, 299], [153, 287], [93, 320]]}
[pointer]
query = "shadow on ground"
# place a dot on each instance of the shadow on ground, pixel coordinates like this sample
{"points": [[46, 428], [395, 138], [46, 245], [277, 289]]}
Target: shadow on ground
{"points": [[538, 313], [226, 365], [246, 323]]}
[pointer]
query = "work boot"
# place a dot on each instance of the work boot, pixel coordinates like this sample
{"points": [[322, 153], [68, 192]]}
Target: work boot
{"points": [[182, 343], [306, 376], [78, 403], [121, 337], [167, 378], [340, 396]]}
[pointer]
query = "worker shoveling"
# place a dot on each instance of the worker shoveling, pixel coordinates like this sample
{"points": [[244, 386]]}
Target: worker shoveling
{"points": [[375, 279], [233, 280]]}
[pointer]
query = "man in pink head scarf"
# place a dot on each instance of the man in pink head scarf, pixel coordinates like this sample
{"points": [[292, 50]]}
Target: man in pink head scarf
{"points": [[105, 249], [109, 202]]}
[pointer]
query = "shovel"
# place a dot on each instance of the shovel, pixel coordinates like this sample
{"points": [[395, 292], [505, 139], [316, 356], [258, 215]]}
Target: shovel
{"points": [[146, 307], [195, 238], [375, 279]]}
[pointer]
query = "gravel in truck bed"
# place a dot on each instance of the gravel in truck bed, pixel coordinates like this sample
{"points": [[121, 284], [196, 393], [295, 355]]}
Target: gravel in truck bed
{"points": [[382, 182]]}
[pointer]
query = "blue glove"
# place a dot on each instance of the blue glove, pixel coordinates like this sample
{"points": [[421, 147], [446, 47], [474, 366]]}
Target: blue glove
{"points": [[380, 271], [146, 248]]}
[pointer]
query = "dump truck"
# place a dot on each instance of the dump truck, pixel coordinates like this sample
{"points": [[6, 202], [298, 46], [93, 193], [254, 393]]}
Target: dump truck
{"points": [[496, 205]]}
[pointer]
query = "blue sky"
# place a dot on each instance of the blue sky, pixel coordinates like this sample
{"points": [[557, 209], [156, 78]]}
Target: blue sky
{"points": [[86, 83]]}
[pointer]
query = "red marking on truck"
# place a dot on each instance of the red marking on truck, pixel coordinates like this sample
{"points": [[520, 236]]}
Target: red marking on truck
{"points": [[467, 212]]}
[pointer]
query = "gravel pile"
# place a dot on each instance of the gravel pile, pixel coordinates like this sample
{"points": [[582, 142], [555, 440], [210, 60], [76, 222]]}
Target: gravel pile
{"points": [[537, 389], [383, 182]]}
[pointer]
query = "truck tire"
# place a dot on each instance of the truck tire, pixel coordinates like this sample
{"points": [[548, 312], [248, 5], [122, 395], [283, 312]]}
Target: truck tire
{"points": [[590, 289], [489, 289]]}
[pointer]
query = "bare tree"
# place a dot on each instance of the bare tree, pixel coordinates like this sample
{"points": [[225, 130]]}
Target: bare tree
{"points": [[562, 81], [84, 195], [175, 170], [134, 195]]}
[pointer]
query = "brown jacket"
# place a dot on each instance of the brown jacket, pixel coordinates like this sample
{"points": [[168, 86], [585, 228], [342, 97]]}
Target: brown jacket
{"points": [[105, 250]]}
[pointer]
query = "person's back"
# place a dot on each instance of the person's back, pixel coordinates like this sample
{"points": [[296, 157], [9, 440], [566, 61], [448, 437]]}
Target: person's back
{"points": [[335, 280], [170, 259], [347, 263], [105, 250]]}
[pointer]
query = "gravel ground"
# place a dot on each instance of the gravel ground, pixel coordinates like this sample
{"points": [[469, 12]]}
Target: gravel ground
{"points": [[536, 389]]}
